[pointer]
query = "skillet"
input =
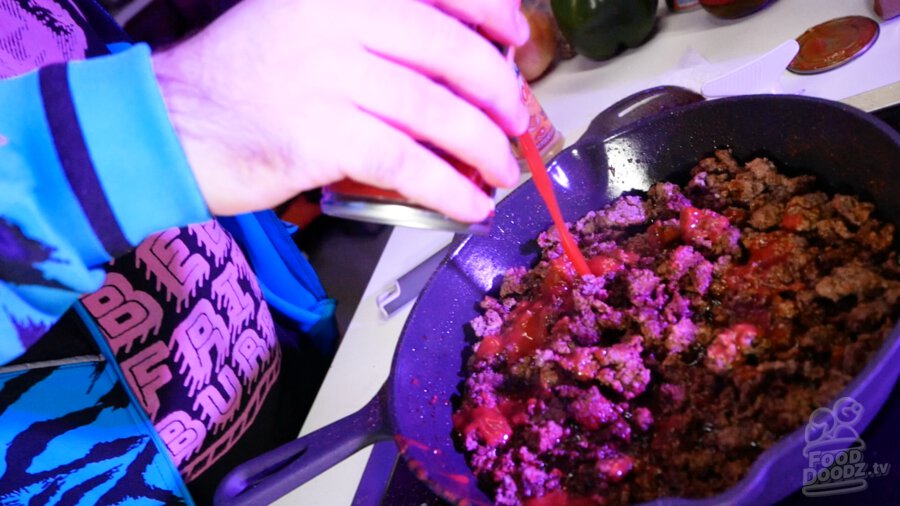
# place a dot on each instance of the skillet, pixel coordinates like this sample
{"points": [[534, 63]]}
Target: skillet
{"points": [[850, 151]]}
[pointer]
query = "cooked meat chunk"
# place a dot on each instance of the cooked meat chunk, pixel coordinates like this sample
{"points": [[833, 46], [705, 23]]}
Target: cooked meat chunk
{"points": [[851, 279], [855, 212]]}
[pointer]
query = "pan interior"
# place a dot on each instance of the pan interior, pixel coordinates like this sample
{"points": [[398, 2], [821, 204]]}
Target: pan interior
{"points": [[848, 150]]}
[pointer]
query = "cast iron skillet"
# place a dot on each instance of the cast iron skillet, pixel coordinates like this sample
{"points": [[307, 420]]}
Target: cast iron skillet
{"points": [[848, 149]]}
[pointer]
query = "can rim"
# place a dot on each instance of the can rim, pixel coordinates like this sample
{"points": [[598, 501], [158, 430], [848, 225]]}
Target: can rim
{"points": [[402, 215]]}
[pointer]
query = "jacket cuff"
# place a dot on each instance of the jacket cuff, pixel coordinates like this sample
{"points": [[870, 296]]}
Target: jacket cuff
{"points": [[131, 151]]}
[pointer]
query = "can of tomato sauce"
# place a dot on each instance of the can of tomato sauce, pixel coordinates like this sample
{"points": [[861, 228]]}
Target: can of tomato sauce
{"points": [[362, 202]]}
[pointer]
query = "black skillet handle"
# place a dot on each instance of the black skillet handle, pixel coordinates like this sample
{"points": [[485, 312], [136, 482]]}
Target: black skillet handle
{"points": [[638, 106], [271, 475]]}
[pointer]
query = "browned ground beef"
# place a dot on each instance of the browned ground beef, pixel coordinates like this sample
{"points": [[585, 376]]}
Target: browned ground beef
{"points": [[719, 316]]}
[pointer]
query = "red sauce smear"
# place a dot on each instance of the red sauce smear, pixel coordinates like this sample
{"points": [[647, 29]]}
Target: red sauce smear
{"points": [[791, 222], [404, 443], [770, 249], [558, 498], [528, 325], [489, 423], [663, 235], [766, 251], [545, 188], [702, 223], [528, 331], [494, 425], [601, 265], [458, 478]]}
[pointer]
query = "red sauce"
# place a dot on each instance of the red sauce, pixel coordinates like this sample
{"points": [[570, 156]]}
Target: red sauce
{"points": [[515, 411], [663, 235], [584, 363], [545, 188], [756, 313], [528, 331], [489, 423], [744, 334], [558, 498], [404, 443], [702, 223], [528, 325], [770, 249], [601, 265], [490, 346], [833, 42], [348, 187], [557, 282], [617, 469], [791, 222], [766, 251], [458, 478]]}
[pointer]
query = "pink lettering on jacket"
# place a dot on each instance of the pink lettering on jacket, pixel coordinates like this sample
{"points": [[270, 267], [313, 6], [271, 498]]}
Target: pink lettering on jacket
{"points": [[237, 302], [218, 402], [220, 444], [266, 325], [204, 373], [250, 352], [147, 373], [124, 315], [173, 264], [201, 343], [214, 240], [181, 434]]}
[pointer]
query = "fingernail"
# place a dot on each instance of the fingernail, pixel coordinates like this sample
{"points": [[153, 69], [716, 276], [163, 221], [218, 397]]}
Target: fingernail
{"points": [[486, 206], [522, 28]]}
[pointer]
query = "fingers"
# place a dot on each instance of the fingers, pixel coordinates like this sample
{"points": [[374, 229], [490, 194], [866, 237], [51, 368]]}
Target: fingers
{"points": [[382, 156], [429, 41], [500, 20], [429, 112]]}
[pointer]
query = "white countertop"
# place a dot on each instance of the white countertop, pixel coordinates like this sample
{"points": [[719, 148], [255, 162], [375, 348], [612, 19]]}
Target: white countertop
{"points": [[687, 49]]}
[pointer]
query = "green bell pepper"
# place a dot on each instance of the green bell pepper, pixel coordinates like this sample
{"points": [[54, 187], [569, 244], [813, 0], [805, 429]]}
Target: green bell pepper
{"points": [[600, 29]]}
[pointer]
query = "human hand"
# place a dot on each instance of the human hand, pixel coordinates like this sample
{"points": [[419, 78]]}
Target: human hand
{"points": [[281, 96]]}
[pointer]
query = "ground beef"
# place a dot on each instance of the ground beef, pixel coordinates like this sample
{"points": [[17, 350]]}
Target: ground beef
{"points": [[717, 317]]}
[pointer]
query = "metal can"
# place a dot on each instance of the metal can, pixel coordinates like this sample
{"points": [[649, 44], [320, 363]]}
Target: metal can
{"points": [[362, 202], [547, 137]]}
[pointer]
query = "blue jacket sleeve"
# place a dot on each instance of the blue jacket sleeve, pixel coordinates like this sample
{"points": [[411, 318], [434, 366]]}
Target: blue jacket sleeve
{"points": [[89, 166]]}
